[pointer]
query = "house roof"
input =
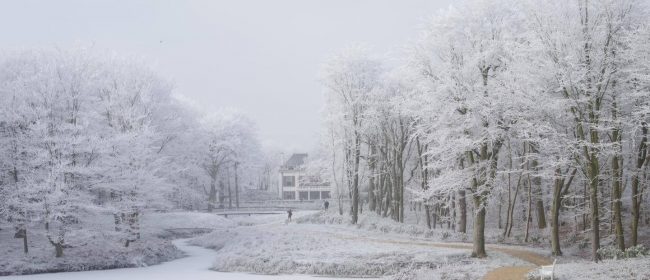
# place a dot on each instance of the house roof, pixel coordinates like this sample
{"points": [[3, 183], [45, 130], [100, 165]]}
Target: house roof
{"points": [[296, 160]]}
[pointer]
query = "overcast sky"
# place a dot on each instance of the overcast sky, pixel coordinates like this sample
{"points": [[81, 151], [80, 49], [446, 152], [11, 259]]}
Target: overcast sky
{"points": [[262, 57]]}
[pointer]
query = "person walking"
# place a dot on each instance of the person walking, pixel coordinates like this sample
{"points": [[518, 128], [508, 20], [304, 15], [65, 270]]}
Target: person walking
{"points": [[289, 213], [327, 205]]}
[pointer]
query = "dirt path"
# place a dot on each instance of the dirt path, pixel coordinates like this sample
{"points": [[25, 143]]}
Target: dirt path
{"points": [[501, 273], [508, 273], [516, 272]]}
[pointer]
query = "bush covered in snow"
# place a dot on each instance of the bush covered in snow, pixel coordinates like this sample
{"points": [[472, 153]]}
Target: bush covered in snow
{"points": [[612, 252]]}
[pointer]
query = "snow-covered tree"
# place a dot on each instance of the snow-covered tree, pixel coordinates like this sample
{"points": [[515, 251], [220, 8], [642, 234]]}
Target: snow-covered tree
{"points": [[350, 78]]}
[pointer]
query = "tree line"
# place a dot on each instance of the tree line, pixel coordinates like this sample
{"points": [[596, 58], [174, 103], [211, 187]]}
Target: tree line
{"points": [[84, 135], [536, 110]]}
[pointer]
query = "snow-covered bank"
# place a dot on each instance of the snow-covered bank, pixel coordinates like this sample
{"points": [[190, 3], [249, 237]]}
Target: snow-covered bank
{"points": [[194, 266], [96, 248], [99, 247]]}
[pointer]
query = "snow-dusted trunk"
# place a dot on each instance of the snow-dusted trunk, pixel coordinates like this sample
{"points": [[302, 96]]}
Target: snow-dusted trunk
{"points": [[560, 187], [478, 249], [236, 186], [58, 249], [56, 240], [481, 187], [636, 195], [537, 186], [529, 212], [355, 176], [222, 194], [462, 205], [212, 195], [372, 168], [229, 188], [617, 178], [555, 214], [593, 196]]}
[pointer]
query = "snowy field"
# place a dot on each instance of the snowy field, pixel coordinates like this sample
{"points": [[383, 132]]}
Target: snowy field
{"points": [[637, 269], [193, 266], [267, 247]]}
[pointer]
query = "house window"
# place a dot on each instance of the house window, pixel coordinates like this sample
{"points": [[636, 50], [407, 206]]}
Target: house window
{"points": [[325, 195], [304, 195], [288, 195], [314, 195], [288, 181]]}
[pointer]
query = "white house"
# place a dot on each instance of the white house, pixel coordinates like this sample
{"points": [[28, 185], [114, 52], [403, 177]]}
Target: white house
{"points": [[296, 184]]}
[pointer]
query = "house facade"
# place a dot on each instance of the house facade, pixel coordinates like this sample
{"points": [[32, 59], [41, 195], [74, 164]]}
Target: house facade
{"points": [[296, 184]]}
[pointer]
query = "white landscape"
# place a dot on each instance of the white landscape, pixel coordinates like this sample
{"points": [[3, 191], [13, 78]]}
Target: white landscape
{"points": [[298, 140]]}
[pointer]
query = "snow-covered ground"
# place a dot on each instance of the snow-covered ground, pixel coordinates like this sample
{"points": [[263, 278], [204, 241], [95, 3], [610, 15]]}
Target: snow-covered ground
{"points": [[98, 246], [315, 243], [371, 227], [628, 269], [269, 245], [194, 266]]}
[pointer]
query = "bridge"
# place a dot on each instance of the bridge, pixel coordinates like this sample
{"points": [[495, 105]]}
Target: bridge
{"points": [[247, 213]]}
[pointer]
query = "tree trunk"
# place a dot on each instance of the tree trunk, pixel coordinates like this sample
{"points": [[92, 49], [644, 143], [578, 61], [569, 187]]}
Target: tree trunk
{"points": [[236, 187], [116, 221], [58, 250], [222, 194], [355, 180], [389, 195], [559, 189], [25, 247], [462, 205], [555, 214], [529, 215], [636, 211], [229, 188], [478, 250], [616, 186], [636, 194], [427, 212], [593, 182], [512, 208], [212, 196], [453, 208], [594, 174], [434, 215], [372, 166], [499, 222]]}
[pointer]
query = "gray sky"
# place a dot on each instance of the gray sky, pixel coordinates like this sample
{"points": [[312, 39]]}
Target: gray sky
{"points": [[260, 56]]}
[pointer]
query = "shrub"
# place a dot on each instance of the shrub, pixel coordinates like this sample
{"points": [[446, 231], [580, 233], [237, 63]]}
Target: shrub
{"points": [[636, 251], [611, 252]]}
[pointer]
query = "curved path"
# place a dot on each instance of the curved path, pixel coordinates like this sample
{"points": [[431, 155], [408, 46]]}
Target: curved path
{"points": [[195, 267], [516, 272], [501, 273]]}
